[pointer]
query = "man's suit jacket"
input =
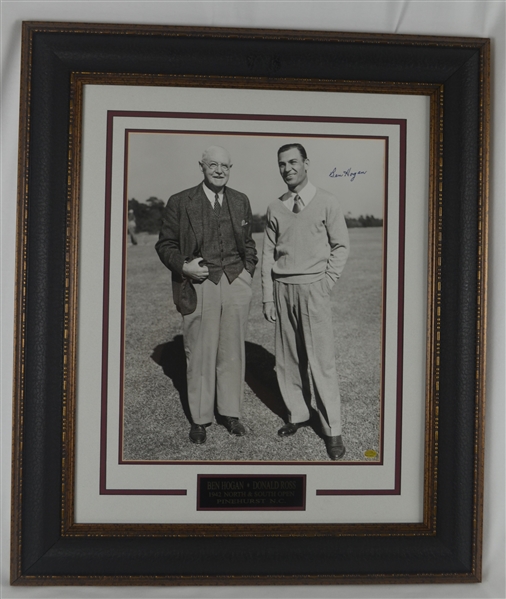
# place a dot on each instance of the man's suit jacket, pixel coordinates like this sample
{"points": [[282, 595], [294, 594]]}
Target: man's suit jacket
{"points": [[182, 233]]}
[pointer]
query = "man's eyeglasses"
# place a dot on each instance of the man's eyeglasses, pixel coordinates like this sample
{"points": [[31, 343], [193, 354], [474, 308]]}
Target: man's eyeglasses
{"points": [[212, 166]]}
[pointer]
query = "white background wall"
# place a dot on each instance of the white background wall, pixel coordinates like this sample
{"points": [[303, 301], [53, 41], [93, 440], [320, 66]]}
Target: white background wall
{"points": [[463, 18]]}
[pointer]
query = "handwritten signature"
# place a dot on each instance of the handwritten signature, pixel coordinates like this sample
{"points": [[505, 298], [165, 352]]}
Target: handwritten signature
{"points": [[348, 173]]}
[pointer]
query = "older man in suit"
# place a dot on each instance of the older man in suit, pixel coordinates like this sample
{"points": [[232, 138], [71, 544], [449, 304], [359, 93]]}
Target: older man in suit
{"points": [[206, 242]]}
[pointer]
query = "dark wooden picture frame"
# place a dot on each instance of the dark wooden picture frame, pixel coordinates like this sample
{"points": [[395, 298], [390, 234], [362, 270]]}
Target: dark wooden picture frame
{"points": [[48, 547]]}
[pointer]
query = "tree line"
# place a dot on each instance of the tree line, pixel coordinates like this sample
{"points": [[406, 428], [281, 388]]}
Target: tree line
{"points": [[149, 213]]}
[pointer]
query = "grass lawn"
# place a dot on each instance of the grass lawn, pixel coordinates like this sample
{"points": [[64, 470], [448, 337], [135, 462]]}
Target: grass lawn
{"points": [[156, 416]]}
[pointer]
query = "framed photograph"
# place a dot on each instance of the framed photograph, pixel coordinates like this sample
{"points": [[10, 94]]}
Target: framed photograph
{"points": [[251, 307]]}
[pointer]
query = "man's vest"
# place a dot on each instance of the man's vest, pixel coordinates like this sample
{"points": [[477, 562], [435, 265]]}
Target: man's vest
{"points": [[219, 248]]}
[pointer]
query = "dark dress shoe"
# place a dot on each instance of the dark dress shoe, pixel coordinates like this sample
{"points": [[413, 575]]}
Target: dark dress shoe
{"points": [[335, 447], [234, 426], [198, 433], [290, 428]]}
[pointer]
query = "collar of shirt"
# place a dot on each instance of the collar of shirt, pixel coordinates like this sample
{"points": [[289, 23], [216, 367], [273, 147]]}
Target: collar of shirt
{"points": [[306, 194], [210, 195]]}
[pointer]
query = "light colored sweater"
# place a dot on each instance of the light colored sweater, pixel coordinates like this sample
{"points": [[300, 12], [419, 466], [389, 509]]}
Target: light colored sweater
{"points": [[303, 248]]}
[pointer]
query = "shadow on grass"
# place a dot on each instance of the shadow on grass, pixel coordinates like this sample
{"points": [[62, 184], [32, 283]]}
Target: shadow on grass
{"points": [[171, 357], [261, 377]]}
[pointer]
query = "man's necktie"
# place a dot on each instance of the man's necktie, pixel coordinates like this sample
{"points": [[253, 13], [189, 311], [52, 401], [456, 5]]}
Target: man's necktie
{"points": [[297, 204], [217, 206]]}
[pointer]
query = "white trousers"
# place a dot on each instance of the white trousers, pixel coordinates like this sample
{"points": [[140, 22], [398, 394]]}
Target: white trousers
{"points": [[305, 337], [214, 341]]}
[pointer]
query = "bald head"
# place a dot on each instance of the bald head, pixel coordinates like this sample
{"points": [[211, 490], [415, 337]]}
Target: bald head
{"points": [[216, 165], [216, 154]]}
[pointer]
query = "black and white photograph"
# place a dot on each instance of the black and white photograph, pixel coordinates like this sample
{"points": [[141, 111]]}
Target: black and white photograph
{"points": [[292, 379]]}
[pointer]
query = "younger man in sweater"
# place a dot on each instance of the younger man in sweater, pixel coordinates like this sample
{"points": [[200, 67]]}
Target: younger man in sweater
{"points": [[306, 246]]}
